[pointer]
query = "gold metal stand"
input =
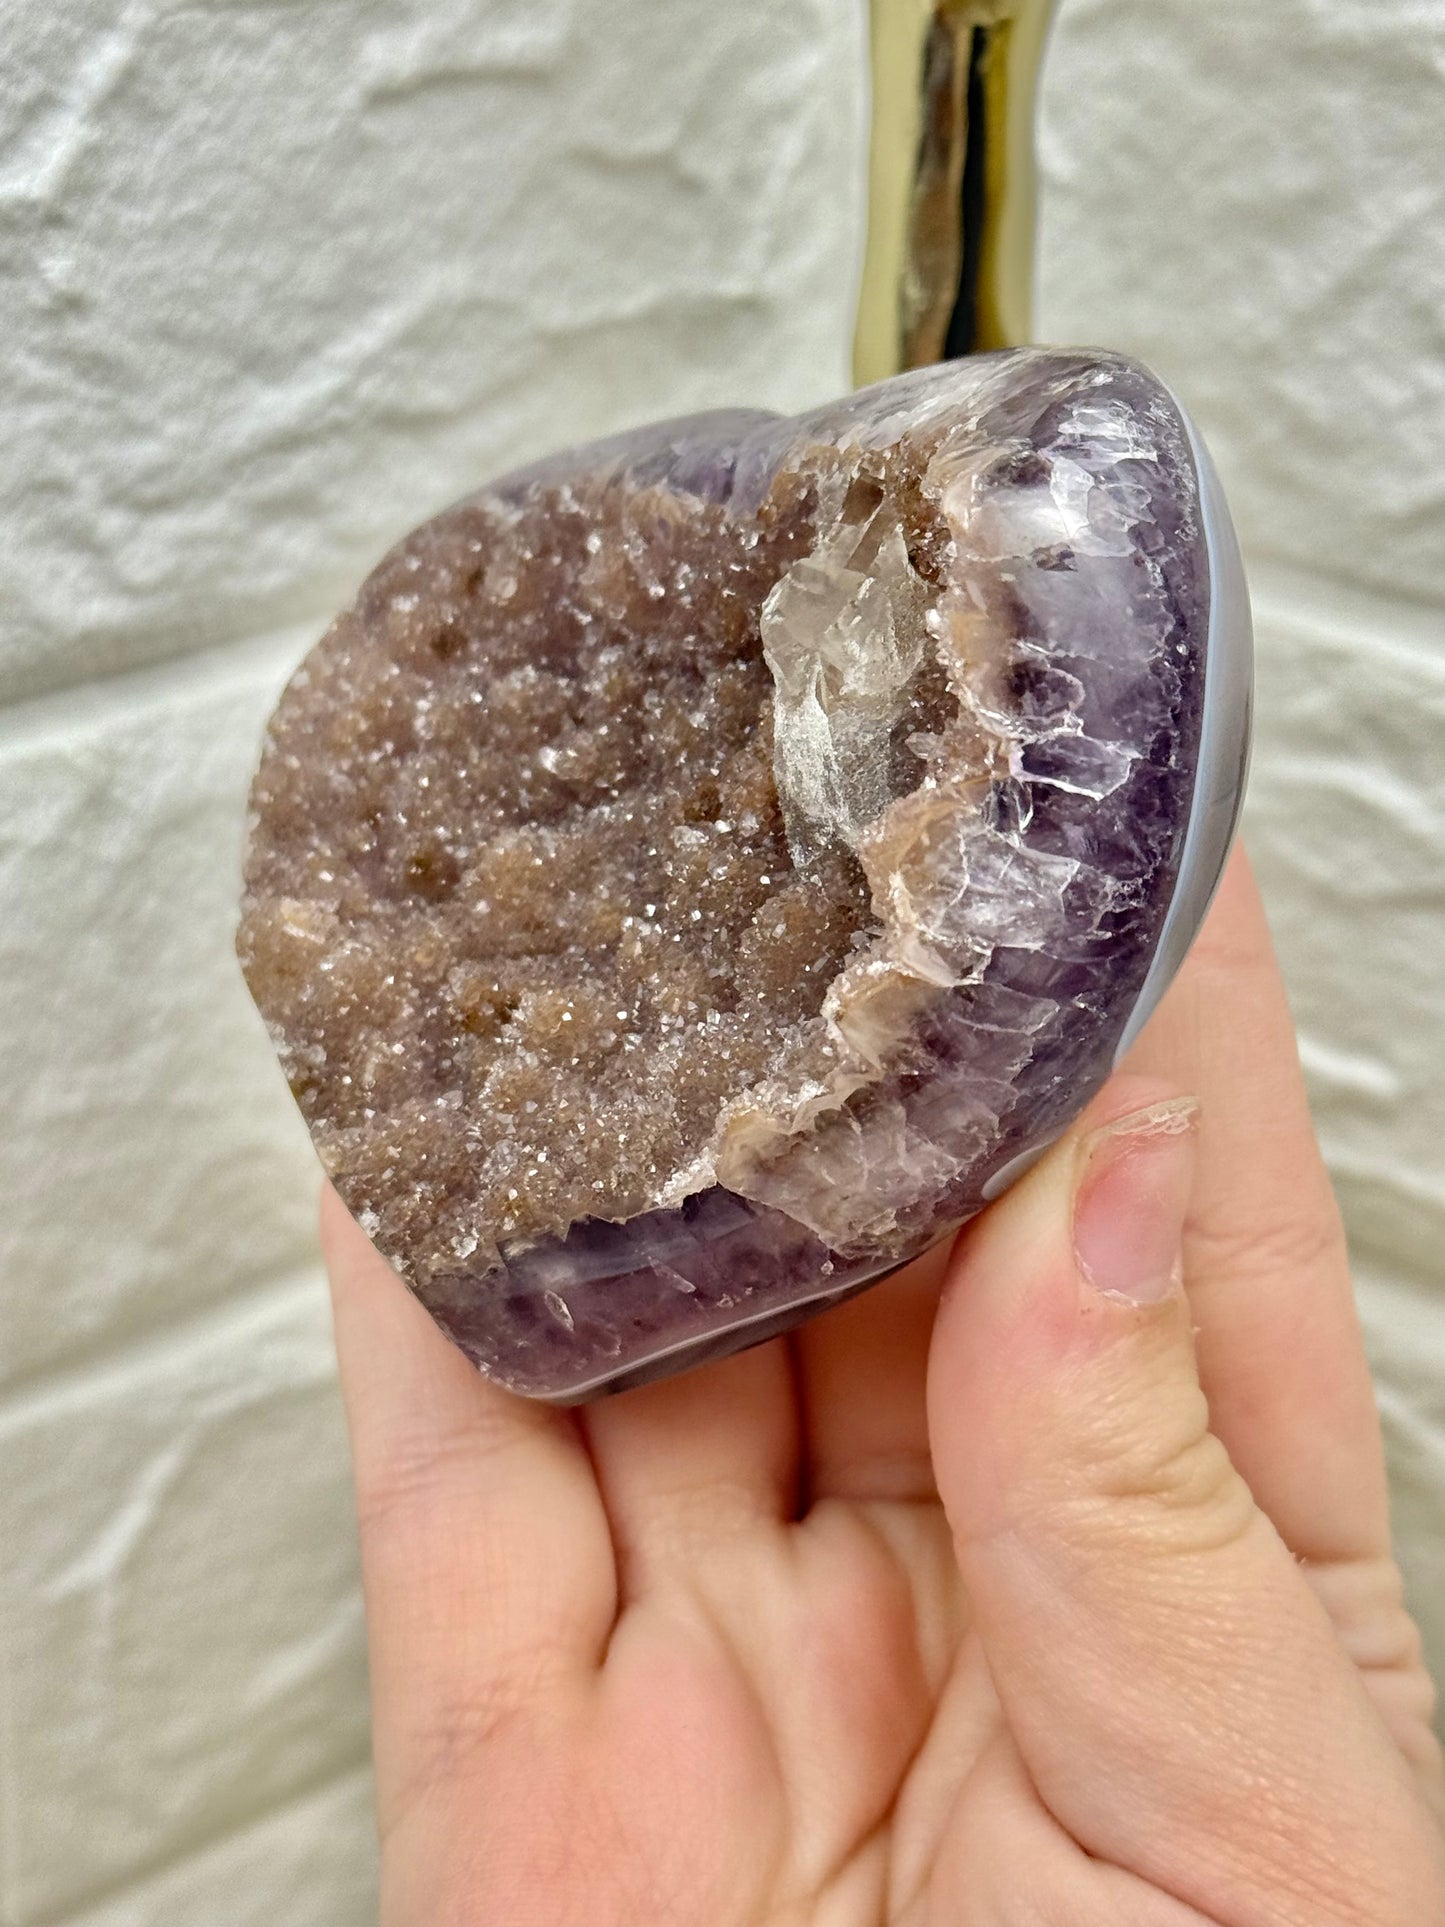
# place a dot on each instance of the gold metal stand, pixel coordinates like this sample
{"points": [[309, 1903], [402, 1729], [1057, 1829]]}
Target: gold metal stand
{"points": [[949, 265]]}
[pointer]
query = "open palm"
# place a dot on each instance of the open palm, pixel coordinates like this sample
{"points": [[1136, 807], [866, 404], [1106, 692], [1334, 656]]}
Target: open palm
{"points": [[986, 1616]]}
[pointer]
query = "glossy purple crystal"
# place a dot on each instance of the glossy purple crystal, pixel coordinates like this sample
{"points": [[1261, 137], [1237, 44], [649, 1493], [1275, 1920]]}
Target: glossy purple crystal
{"points": [[1021, 851]]}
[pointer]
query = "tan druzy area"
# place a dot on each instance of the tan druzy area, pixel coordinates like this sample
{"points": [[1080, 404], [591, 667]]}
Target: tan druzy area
{"points": [[524, 914]]}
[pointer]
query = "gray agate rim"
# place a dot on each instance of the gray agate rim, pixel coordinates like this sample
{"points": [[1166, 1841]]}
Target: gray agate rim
{"points": [[1224, 743]]}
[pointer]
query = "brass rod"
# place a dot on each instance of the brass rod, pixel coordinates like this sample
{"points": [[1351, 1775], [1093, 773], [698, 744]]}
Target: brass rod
{"points": [[951, 190]]}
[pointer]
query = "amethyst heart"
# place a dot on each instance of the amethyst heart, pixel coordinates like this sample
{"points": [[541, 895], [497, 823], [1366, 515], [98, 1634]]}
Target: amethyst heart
{"points": [[701, 869]]}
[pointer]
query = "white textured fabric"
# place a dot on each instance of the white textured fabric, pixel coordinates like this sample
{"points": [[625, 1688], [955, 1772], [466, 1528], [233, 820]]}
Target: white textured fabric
{"points": [[277, 282]]}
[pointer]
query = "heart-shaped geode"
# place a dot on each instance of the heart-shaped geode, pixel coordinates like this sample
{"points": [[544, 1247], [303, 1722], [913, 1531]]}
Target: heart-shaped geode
{"points": [[699, 866]]}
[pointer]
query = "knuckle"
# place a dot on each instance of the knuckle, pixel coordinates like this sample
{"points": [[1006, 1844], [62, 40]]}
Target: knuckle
{"points": [[1365, 1601], [404, 1483], [1185, 1499], [475, 1713], [1153, 1474], [1295, 1236], [420, 1472], [692, 1521], [471, 1728]]}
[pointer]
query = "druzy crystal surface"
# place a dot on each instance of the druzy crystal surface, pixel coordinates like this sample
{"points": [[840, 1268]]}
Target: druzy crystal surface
{"points": [[698, 866]]}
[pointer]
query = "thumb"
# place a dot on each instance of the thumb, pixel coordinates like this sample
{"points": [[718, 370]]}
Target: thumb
{"points": [[1174, 1687]]}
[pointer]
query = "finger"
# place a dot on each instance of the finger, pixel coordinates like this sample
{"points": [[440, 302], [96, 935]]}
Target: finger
{"points": [[1280, 1352], [1139, 1612], [862, 1372], [687, 1464], [486, 1560]]}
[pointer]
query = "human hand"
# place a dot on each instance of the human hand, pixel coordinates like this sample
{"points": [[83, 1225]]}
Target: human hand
{"points": [[1038, 1609]]}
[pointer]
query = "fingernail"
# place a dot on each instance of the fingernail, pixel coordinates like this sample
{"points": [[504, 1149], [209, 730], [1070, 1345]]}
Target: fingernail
{"points": [[1130, 1201]]}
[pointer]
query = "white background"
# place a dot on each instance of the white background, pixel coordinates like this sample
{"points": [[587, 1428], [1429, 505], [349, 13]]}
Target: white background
{"points": [[278, 278]]}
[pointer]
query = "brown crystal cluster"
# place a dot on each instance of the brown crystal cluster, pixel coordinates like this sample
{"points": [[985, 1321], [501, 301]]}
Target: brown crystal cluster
{"points": [[522, 911]]}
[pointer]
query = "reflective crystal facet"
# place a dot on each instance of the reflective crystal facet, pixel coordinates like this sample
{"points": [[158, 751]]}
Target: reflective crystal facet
{"points": [[698, 865]]}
